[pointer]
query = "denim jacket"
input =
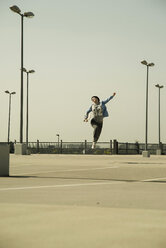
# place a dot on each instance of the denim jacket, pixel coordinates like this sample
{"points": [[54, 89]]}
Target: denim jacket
{"points": [[103, 104]]}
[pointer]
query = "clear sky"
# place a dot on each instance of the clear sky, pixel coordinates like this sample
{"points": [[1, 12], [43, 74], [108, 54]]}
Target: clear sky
{"points": [[81, 48]]}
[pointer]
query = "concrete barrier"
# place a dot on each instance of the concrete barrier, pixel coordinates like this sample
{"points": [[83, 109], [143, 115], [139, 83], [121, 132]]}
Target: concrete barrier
{"points": [[20, 149], [4, 160], [146, 154], [158, 152]]}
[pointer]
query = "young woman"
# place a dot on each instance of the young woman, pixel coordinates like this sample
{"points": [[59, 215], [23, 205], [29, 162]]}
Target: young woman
{"points": [[99, 111]]}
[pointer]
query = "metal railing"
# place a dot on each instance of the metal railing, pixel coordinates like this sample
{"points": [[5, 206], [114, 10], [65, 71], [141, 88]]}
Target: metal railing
{"points": [[110, 147], [84, 147], [69, 147]]}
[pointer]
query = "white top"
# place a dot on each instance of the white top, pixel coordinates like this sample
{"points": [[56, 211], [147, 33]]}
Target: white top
{"points": [[97, 111]]}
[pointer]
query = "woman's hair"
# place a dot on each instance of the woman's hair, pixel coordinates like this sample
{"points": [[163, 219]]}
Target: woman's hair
{"points": [[96, 98]]}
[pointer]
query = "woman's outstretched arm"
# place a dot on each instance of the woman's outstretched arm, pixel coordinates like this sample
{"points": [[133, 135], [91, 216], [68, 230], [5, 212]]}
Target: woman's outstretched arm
{"points": [[108, 99], [87, 113]]}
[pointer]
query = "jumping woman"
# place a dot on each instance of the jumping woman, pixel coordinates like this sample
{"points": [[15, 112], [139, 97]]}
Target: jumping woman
{"points": [[99, 111]]}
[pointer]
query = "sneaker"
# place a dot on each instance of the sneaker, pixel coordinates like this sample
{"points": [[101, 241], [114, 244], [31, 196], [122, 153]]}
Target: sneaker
{"points": [[93, 145]]}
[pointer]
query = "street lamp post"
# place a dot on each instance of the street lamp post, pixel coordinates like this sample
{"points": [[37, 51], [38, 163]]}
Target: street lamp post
{"points": [[27, 113], [144, 62], [16, 9], [159, 148], [10, 93], [58, 142]]}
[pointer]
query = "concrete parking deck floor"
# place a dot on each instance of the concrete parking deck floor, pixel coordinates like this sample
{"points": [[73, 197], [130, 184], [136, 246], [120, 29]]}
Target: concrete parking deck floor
{"points": [[86, 201]]}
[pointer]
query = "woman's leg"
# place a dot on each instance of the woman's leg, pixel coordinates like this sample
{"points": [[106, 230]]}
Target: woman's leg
{"points": [[97, 129]]}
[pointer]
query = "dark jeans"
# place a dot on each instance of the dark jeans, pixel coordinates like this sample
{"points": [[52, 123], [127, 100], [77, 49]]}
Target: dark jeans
{"points": [[97, 129]]}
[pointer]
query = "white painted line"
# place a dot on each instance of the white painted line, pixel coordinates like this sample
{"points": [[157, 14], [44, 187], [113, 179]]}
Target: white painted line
{"points": [[153, 179], [20, 165], [57, 171], [60, 186]]}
